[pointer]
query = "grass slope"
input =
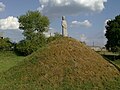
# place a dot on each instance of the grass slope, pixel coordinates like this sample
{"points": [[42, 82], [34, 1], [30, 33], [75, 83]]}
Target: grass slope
{"points": [[65, 64], [117, 62], [8, 59]]}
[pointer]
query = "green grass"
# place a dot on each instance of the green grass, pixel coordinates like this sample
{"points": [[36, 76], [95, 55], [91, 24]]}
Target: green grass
{"points": [[117, 62], [8, 59]]}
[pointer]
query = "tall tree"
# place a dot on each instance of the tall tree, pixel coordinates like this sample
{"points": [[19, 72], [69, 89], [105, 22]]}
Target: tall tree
{"points": [[113, 34], [33, 23]]}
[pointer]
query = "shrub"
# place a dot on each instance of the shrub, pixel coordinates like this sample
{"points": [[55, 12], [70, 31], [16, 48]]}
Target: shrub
{"points": [[52, 38], [5, 44], [26, 47]]}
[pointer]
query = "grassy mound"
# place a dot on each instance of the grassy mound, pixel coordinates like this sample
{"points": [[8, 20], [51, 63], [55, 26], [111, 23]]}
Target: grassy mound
{"points": [[66, 64], [9, 59]]}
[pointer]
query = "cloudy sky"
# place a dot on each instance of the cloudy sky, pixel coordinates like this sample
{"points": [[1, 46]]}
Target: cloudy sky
{"points": [[86, 18]]}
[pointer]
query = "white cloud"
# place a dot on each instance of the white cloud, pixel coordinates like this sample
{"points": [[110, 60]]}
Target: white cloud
{"points": [[85, 23], [70, 7], [2, 7], [104, 31], [9, 23]]}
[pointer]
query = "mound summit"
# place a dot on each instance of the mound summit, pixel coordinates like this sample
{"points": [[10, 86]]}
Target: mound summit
{"points": [[65, 64]]}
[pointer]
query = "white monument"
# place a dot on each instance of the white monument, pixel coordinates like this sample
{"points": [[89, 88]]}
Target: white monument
{"points": [[64, 27]]}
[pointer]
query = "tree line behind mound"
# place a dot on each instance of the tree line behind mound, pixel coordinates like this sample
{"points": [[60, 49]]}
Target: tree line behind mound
{"points": [[34, 24]]}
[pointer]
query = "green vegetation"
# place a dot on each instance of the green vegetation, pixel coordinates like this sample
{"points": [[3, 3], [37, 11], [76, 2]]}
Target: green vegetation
{"points": [[5, 44], [65, 64], [117, 62], [8, 59], [52, 38], [57, 63], [113, 34], [26, 47], [33, 24], [113, 58]]}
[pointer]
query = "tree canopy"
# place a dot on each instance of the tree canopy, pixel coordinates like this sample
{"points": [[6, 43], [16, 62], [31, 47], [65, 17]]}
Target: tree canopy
{"points": [[32, 23], [5, 44], [113, 34]]}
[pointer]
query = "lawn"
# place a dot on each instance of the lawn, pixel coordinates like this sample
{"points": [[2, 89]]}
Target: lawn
{"points": [[9, 59]]}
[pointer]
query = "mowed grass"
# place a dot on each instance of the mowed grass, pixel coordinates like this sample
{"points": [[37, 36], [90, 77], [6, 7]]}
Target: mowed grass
{"points": [[8, 59]]}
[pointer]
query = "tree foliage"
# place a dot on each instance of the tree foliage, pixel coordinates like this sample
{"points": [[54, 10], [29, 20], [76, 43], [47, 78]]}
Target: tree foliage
{"points": [[33, 24], [113, 34], [26, 47], [5, 44]]}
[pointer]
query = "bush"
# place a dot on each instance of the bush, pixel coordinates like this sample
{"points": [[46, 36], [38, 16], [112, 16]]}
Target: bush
{"points": [[26, 47], [52, 38], [5, 44]]}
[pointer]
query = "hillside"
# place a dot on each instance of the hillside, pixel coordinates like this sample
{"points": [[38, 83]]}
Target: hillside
{"points": [[9, 59], [65, 64]]}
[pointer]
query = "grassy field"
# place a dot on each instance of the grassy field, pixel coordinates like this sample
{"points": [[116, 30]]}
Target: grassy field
{"points": [[8, 59]]}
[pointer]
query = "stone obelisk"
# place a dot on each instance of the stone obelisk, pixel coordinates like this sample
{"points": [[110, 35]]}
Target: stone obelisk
{"points": [[64, 27]]}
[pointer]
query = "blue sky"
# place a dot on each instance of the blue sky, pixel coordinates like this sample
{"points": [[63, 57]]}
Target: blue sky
{"points": [[86, 19]]}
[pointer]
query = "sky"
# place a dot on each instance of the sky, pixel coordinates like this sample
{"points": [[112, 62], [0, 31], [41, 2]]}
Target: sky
{"points": [[86, 19]]}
